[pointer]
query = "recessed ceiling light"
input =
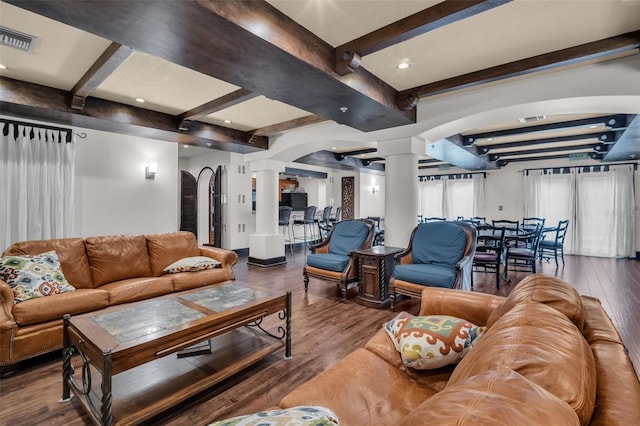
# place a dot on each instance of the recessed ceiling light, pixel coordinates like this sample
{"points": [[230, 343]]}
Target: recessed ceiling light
{"points": [[489, 139], [344, 109], [141, 100], [333, 147], [403, 65], [227, 121], [185, 146], [593, 127], [3, 67]]}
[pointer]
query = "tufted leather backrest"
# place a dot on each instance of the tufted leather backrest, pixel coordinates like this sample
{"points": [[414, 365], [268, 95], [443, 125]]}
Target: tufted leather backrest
{"points": [[164, 249], [117, 257]]}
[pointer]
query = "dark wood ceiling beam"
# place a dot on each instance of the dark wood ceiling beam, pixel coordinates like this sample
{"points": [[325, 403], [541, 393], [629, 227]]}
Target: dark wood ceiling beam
{"points": [[348, 55], [250, 44], [226, 101], [602, 137], [287, 125], [596, 147], [583, 52], [32, 101], [102, 68], [613, 122], [504, 162]]}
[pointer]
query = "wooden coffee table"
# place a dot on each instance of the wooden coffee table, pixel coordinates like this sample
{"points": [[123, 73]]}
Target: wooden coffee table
{"points": [[125, 348]]}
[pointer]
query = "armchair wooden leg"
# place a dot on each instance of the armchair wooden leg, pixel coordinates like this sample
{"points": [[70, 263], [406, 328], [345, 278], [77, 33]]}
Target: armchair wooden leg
{"points": [[306, 283], [344, 293]]}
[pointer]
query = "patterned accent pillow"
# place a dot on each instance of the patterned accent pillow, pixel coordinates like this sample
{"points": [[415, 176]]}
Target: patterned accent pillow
{"points": [[191, 264], [36, 276], [294, 416], [428, 342]]}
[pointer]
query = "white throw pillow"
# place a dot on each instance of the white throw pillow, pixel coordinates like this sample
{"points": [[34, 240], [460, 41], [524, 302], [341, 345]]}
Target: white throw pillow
{"points": [[191, 264]]}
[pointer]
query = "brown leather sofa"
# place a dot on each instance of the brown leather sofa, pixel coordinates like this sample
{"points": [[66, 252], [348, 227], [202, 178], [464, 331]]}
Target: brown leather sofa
{"points": [[106, 270], [549, 357]]}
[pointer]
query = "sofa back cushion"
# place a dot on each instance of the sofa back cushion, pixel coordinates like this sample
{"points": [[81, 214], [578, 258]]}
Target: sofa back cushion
{"points": [[70, 251], [551, 291], [541, 344], [440, 243], [117, 257], [496, 397], [164, 249]]}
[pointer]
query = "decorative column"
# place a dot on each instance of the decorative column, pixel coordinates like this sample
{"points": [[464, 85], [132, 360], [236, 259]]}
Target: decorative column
{"points": [[401, 188], [266, 246]]}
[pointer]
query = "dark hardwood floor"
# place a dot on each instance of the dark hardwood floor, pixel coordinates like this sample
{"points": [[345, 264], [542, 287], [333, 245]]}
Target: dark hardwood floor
{"points": [[324, 331]]}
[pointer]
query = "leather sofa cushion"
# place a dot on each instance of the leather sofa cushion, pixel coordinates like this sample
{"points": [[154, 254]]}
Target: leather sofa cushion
{"points": [[362, 389], [347, 236], [117, 257], [496, 397], [541, 344], [427, 274], [545, 289], [70, 251], [597, 324], [189, 280], [438, 242], [133, 289], [164, 249], [332, 262], [54, 307]]}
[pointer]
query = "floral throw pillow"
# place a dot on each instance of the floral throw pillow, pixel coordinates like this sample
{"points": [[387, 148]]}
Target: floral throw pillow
{"points": [[428, 342], [36, 276], [191, 264], [295, 416]]}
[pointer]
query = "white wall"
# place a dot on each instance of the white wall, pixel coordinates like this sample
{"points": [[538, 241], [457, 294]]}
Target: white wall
{"points": [[112, 195], [371, 204]]}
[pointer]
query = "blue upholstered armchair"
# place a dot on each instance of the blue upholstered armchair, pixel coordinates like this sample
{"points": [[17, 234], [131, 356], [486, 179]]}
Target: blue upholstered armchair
{"points": [[331, 259], [440, 254]]}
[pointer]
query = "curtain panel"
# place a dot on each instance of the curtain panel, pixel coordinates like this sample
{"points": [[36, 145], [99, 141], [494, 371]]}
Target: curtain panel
{"points": [[452, 196], [37, 168]]}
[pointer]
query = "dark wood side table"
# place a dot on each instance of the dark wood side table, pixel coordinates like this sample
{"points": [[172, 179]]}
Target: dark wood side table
{"points": [[375, 266]]}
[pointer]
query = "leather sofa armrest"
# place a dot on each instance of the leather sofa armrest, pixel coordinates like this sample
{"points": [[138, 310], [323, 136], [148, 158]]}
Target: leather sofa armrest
{"points": [[7, 300], [473, 307], [228, 258]]}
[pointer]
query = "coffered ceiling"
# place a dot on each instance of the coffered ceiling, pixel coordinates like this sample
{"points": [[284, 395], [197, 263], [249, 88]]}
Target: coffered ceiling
{"points": [[228, 75]]}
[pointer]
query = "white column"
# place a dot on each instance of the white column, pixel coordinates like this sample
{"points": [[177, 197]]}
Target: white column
{"points": [[266, 246], [401, 188]]}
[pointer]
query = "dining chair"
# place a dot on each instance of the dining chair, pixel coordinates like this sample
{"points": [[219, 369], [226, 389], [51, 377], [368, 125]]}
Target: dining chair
{"points": [[531, 222], [481, 219], [489, 251], [509, 225], [555, 245], [523, 255], [433, 219], [284, 221]]}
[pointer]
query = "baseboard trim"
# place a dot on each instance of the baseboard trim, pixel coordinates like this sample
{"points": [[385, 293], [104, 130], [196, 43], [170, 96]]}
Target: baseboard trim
{"points": [[265, 263], [242, 251], [638, 255]]}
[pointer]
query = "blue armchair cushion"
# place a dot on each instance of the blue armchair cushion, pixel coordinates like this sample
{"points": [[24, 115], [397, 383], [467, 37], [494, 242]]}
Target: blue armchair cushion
{"points": [[348, 236], [440, 243], [331, 262], [427, 274]]}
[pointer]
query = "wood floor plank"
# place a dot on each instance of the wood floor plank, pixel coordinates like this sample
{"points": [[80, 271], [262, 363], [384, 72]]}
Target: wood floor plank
{"points": [[324, 330]]}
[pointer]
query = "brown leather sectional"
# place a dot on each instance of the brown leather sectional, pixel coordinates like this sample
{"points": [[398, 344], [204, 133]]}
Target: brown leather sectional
{"points": [[106, 270], [549, 357]]}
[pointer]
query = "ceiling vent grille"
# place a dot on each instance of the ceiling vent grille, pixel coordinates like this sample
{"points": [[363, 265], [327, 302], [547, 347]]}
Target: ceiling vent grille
{"points": [[532, 119], [17, 40]]}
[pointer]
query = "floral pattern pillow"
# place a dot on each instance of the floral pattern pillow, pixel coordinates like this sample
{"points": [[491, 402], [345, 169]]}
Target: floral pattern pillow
{"points": [[191, 264], [36, 276], [428, 342], [295, 416]]}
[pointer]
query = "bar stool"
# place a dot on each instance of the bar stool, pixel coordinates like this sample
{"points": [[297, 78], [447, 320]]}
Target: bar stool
{"points": [[284, 221], [308, 222], [323, 224]]}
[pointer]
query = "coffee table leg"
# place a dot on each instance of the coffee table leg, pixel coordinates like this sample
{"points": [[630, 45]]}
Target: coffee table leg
{"points": [[66, 359], [287, 352], [106, 418]]}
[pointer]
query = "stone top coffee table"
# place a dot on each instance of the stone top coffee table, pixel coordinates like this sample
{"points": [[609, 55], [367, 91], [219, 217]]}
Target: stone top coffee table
{"points": [[135, 339]]}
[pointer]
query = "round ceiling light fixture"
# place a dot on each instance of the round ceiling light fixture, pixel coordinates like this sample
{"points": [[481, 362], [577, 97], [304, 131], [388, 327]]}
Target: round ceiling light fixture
{"points": [[141, 100], [227, 121], [403, 65]]}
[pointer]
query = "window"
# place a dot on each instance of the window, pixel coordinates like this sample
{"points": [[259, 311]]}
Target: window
{"points": [[452, 196]]}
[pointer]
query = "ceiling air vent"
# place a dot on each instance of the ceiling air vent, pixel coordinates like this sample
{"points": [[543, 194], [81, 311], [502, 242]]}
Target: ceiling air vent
{"points": [[531, 119], [17, 40]]}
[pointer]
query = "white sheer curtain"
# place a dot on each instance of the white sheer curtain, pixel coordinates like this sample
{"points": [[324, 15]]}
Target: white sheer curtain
{"points": [[432, 198], [464, 196], [37, 175], [452, 196], [551, 196], [605, 225]]}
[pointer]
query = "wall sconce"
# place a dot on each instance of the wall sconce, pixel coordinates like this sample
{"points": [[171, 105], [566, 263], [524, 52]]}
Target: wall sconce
{"points": [[151, 170], [374, 189]]}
